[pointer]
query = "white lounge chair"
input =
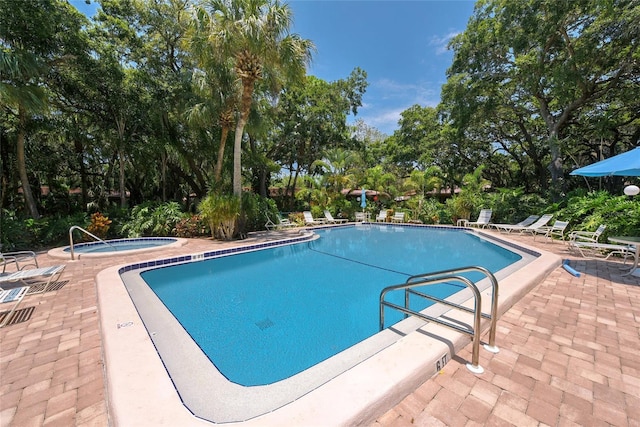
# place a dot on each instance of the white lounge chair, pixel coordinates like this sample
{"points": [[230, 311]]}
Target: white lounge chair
{"points": [[483, 219], [9, 296], [398, 217], [601, 250], [524, 223], [540, 222], [21, 259], [362, 217], [331, 220], [41, 276], [282, 223], [557, 229], [309, 220], [382, 216], [587, 236]]}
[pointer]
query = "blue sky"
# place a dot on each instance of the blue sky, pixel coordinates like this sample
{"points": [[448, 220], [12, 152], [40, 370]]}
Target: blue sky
{"points": [[400, 44]]}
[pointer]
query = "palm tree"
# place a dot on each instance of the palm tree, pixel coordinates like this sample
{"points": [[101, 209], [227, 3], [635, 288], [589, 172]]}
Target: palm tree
{"points": [[255, 34], [22, 95]]}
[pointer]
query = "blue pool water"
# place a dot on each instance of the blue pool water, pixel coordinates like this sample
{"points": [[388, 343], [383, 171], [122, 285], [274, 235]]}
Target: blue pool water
{"points": [[121, 245], [264, 316]]}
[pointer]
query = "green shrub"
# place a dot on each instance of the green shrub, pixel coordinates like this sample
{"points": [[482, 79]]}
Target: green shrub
{"points": [[192, 226], [153, 219], [221, 213]]}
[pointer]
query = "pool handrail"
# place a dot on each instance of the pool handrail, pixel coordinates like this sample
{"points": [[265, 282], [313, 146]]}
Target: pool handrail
{"points": [[444, 277], [494, 297], [76, 227]]}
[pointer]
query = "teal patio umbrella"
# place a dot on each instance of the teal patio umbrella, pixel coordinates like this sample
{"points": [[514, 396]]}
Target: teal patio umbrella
{"points": [[624, 164]]}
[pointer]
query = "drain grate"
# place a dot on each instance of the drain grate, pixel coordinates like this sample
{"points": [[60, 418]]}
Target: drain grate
{"points": [[264, 324]]}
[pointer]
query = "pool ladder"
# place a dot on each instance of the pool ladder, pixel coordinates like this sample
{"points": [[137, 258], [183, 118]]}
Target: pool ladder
{"points": [[446, 276], [76, 227]]}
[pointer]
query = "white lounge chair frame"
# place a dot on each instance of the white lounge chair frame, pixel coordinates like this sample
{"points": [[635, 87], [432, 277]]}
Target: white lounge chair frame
{"points": [[398, 217], [541, 222], [382, 216], [557, 229], [36, 276], [331, 220], [282, 223], [310, 220], [524, 223], [603, 251], [15, 296], [21, 259], [587, 236], [484, 217]]}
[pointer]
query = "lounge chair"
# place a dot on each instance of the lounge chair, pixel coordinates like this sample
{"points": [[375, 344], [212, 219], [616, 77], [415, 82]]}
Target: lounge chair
{"points": [[540, 222], [587, 236], [362, 216], [557, 229], [309, 220], [282, 223], [382, 216], [331, 220], [26, 277], [21, 259], [601, 250], [14, 296], [483, 219], [398, 217], [524, 223]]}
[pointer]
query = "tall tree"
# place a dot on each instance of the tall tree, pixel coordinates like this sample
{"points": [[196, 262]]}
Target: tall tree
{"points": [[556, 57], [255, 33], [37, 38]]}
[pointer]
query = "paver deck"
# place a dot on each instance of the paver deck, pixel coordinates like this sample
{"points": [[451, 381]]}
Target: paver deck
{"points": [[570, 354]]}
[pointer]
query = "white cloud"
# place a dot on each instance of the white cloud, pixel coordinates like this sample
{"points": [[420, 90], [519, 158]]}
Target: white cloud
{"points": [[441, 42]]}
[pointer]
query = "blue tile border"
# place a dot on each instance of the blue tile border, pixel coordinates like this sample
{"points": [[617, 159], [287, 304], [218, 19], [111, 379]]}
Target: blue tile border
{"points": [[214, 254], [307, 237]]}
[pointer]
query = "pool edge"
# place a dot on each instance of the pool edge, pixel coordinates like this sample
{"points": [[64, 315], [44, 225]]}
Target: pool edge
{"points": [[134, 381]]}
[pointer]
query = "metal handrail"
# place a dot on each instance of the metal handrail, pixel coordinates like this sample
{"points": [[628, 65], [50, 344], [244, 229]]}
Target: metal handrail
{"points": [[76, 227], [442, 277], [494, 297]]}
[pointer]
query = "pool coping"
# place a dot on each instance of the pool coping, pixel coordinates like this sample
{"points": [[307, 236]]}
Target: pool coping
{"points": [[60, 252], [136, 375]]}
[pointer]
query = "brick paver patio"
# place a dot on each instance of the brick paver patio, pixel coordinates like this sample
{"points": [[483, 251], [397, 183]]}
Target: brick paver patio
{"points": [[569, 355]]}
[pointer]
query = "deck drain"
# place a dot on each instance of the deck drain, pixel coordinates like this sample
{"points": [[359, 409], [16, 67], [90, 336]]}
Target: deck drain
{"points": [[264, 324]]}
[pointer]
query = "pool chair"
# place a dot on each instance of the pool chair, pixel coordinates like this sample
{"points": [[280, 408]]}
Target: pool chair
{"points": [[587, 236], [483, 219], [21, 260], [398, 217], [282, 223], [331, 220], [362, 217], [11, 296], [42, 277], [382, 216], [540, 222], [309, 220], [524, 223], [557, 229], [595, 250]]}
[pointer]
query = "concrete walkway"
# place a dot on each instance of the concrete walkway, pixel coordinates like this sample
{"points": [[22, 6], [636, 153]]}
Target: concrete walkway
{"points": [[570, 355]]}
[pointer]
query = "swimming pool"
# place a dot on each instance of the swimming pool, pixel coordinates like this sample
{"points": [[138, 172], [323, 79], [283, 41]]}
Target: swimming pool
{"points": [[352, 388], [358, 383], [294, 306], [116, 247]]}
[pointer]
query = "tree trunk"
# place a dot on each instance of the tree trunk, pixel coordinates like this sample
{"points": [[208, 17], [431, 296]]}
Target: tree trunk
{"points": [[217, 172], [247, 91], [123, 196], [22, 167]]}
